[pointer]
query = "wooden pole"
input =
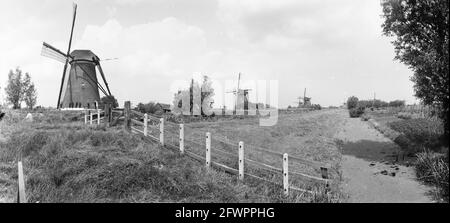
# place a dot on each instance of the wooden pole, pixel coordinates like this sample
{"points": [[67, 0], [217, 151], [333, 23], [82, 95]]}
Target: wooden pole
{"points": [[22, 196], [286, 174], [145, 124], [324, 172], [208, 149], [90, 117], [241, 160], [127, 113], [85, 117], [98, 116], [182, 138], [107, 115], [161, 131]]}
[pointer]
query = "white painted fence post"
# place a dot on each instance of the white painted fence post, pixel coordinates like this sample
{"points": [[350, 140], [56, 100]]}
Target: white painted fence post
{"points": [[182, 138], [208, 149], [161, 131], [90, 117], [241, 160], [286, 174], [98, 116], [145, 124], [22, 198], [85, 117]]}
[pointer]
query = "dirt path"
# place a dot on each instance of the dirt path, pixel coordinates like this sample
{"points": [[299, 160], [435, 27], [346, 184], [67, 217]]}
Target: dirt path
{"points": [[370, 171]]}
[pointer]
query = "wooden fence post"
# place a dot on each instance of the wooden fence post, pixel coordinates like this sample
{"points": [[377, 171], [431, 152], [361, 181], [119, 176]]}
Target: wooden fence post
{"points": [[85, 117], [90, 117], [182, 138], [241, 160], [208, 149], [127, 113], [22, 197], [107, 116], [286, 174], [98, 116], [161, 131], [324, 172], [145, 124]]}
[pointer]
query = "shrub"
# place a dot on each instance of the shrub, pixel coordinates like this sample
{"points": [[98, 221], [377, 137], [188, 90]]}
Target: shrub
{"points": [[397, 103], [356, 112], [150, 108], [352, 102], [432, 168], [365, 117], [404, 115], [423, 133]]}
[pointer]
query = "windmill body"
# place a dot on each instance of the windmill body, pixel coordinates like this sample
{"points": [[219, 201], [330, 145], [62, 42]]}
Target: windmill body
{"points": [[241, 97], [80, 90], [304, 101]]}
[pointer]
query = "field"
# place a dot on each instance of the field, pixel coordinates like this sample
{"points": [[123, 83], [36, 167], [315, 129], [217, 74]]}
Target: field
{"points": [[67, 161]]}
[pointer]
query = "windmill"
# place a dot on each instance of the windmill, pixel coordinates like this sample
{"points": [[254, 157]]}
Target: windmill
{"points": [[239, 92], [306, 100], [80, 88]]}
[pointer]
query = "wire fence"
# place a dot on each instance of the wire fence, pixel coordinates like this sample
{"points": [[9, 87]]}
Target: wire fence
{"points": [[218, 151]]}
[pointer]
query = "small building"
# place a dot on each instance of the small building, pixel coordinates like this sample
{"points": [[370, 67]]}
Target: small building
{"points": [[164, 107]]}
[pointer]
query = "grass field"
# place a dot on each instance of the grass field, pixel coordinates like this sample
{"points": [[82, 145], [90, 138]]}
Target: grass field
{"points": [[65, 161]]}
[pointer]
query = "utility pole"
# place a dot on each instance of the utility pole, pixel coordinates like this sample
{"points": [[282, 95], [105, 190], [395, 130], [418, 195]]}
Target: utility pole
{"points": [[373, 102]]}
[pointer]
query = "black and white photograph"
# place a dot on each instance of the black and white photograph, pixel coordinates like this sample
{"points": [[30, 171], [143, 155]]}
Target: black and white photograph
{"points": [[265, 103]]}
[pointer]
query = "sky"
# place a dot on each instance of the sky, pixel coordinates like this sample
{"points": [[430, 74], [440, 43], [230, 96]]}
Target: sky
{"points": [[335, 49]]}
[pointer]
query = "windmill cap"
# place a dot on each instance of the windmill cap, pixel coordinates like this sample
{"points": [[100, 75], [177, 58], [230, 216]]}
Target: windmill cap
{"points": [[83, 55]]}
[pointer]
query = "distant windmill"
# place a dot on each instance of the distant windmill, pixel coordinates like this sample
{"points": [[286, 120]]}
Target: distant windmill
{"points": [[304, 101], [239, 92], [80, 88]]}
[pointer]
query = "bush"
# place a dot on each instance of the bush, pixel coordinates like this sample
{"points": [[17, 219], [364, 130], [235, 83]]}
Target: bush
{"points": [[397, 103], [356, 112], [432, 168], [352, 102], [150, 108], [365, 117], [423, 133], [404, 115]]}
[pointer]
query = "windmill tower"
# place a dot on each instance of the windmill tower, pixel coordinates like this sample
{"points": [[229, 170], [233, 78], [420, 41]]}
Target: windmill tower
{"points": [[239, 93], [304, 101], [80, 88]]}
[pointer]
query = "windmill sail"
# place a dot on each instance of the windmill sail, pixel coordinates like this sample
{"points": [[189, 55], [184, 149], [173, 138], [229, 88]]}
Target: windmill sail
{"points": [[53, 53]]}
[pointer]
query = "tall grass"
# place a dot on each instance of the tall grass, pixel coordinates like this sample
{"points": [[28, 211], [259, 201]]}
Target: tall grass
{"points": [[432, 168]]}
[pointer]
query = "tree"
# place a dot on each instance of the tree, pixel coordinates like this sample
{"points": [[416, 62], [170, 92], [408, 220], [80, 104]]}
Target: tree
{"points": [[14, 89], [109, 100], [150, 108], [422, 36], [352, 102], [29, 91]]}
